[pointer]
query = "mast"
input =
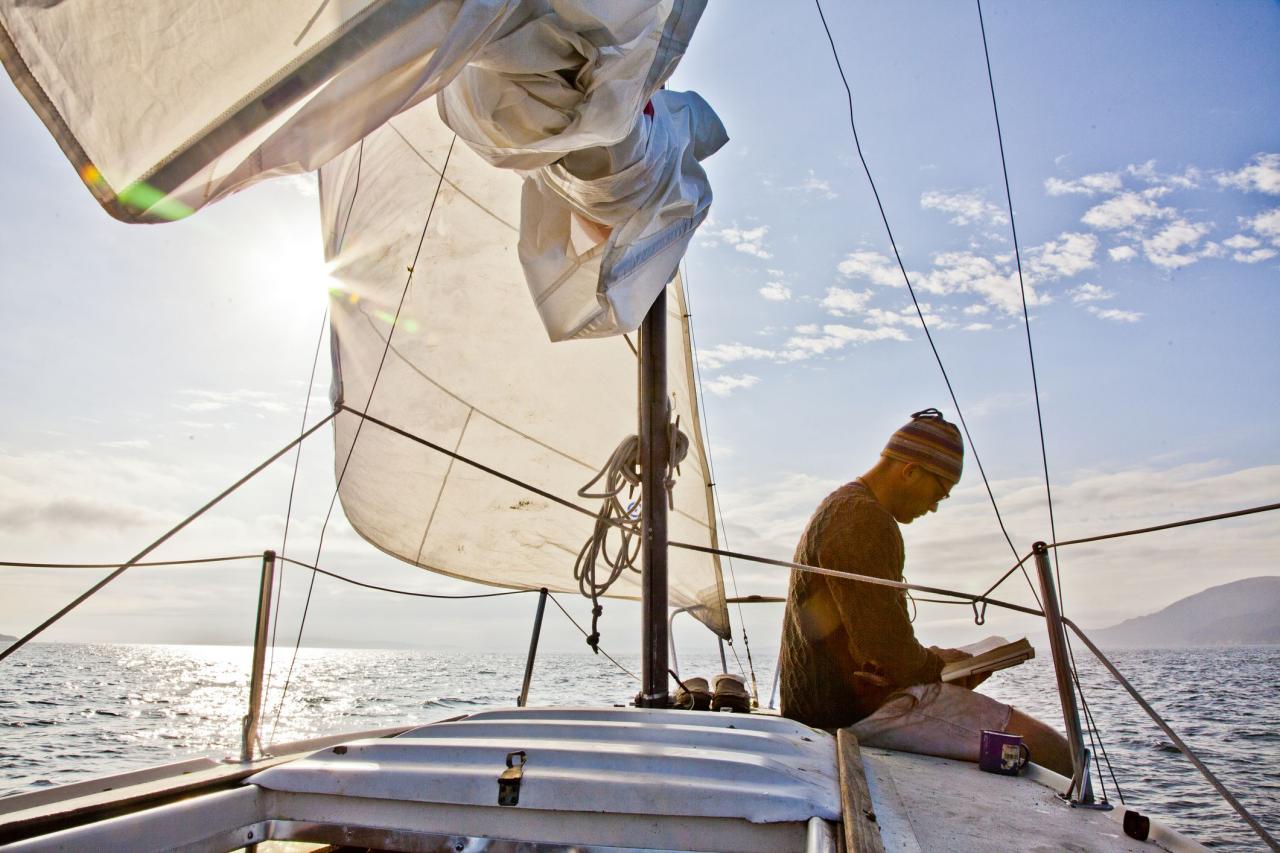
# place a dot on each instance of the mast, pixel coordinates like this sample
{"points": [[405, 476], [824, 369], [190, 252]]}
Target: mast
{"points": [[654, 458]]}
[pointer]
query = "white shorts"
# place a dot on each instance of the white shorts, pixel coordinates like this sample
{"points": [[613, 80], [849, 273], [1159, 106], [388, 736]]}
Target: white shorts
{"points": [[933, 719]]}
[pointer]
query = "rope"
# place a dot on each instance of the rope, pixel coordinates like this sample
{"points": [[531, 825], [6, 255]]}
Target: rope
{"points": [[306, 607], [1173, 736], [621, 471], [22, 641], [557, 603]]}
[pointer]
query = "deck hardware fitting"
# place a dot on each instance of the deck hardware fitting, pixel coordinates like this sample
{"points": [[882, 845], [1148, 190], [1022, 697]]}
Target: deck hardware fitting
{"points": [[509, 781]]}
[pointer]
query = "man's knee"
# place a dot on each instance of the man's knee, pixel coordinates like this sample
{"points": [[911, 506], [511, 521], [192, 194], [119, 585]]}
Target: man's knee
{"points": [[1048, 748]]}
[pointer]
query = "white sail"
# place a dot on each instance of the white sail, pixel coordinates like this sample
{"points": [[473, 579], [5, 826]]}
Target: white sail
{"points": [[165, 106], [471, 369]]}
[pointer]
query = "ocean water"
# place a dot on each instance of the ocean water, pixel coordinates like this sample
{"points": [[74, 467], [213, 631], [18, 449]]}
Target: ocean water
{"points": [[71, 712]]}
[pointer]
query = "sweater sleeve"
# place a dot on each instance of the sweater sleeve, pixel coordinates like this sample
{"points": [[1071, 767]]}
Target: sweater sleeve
{"points": [[875, 617]]}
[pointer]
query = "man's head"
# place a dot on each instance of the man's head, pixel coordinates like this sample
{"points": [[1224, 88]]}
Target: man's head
{"points": [[919, 466]]}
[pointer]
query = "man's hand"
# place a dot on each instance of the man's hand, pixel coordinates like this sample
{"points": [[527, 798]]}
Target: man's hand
{"points": [[949, 655], [953, 655]]}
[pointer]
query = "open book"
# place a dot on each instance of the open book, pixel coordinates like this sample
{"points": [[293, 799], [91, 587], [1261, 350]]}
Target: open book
{"points": [[989, 655]]}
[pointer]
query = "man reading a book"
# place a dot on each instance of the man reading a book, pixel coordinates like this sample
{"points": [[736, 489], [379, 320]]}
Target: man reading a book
{"points": [[849, 654]]}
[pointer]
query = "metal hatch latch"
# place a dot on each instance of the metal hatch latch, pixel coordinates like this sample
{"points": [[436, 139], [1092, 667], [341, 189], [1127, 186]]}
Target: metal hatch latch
{"points": [[509, 781]]}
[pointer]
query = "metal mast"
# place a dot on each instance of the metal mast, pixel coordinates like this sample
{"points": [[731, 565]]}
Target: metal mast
{"points": [[655, 455]]}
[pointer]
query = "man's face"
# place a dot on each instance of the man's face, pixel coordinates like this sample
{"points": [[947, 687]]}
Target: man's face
{"points": [[922, 491]]}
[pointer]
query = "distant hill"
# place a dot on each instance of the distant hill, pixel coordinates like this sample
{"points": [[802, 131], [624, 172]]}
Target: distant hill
{"points": [[1245, 612], [5, 638]]}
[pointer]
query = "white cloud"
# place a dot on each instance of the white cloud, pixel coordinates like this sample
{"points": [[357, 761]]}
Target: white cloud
{"points": [[1164, 183], [836, 336], [1090, 293], [841, 302], [1261, 175], [965, 208], [1122, 253], [977, 327], [977, 308], [1174, 245], [905, 317], [1124, 211], [872, 266], [1266, 225], [749, 241], [1115, 314], [304, 185], [721, 354], [1070, 254], [723, 386], [775, 291], [213, 401], [1241, 241], [128, 444], [1255, 256], [1100, 182], [815, 186], [964, 272]]}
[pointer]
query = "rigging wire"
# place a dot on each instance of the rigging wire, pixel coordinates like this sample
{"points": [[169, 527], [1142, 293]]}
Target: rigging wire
{"points": [[1035, 385], [911, 289], [583, 631], [360, 425], [293, 482], [120, 569], [1173, 736], [711, 472]]}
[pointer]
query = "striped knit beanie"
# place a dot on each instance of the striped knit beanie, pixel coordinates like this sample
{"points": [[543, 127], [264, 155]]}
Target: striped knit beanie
{"points": [[930, 442]]}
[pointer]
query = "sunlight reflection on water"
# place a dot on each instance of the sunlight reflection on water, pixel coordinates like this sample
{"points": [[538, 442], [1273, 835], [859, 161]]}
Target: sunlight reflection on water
{"points": [[70, 712]]}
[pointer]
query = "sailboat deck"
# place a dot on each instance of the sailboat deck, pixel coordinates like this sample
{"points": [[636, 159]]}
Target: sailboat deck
{"points": [[927, 803]]}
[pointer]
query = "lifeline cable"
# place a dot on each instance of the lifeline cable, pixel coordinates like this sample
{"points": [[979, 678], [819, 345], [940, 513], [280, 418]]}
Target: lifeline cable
{"points": [[407, 592], [26, 638], [360, 425], [1185, 523], [911, 289], [139, 564]]}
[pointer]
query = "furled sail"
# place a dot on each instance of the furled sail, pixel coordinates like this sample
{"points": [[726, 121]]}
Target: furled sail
{"points": [[165, 106]]}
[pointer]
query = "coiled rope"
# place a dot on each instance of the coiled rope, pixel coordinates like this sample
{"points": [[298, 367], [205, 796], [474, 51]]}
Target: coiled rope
{"points": [[621, 471]]}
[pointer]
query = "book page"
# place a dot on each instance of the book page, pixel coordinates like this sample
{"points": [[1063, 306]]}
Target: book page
{"points": [[992, 642]]}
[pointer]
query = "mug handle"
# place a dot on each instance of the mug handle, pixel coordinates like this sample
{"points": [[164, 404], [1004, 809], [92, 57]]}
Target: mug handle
{"points": [[1026, 755]]}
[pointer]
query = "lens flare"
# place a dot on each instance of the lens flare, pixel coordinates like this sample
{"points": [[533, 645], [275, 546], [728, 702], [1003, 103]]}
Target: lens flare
{"points": [[144, 197]]}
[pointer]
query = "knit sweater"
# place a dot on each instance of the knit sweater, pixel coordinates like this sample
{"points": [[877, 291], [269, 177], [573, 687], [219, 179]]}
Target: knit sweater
{"points": [[846, 645]]}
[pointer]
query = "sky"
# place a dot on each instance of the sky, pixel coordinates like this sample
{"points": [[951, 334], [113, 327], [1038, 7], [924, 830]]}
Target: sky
{"points": [[145, 368]]}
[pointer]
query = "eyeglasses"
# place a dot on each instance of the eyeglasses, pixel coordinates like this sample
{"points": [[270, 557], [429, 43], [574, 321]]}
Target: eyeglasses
{"points": [[942, 487]]}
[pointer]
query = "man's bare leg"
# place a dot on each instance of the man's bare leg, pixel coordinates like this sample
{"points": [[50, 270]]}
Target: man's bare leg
{"points": [[1048, 748]]}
